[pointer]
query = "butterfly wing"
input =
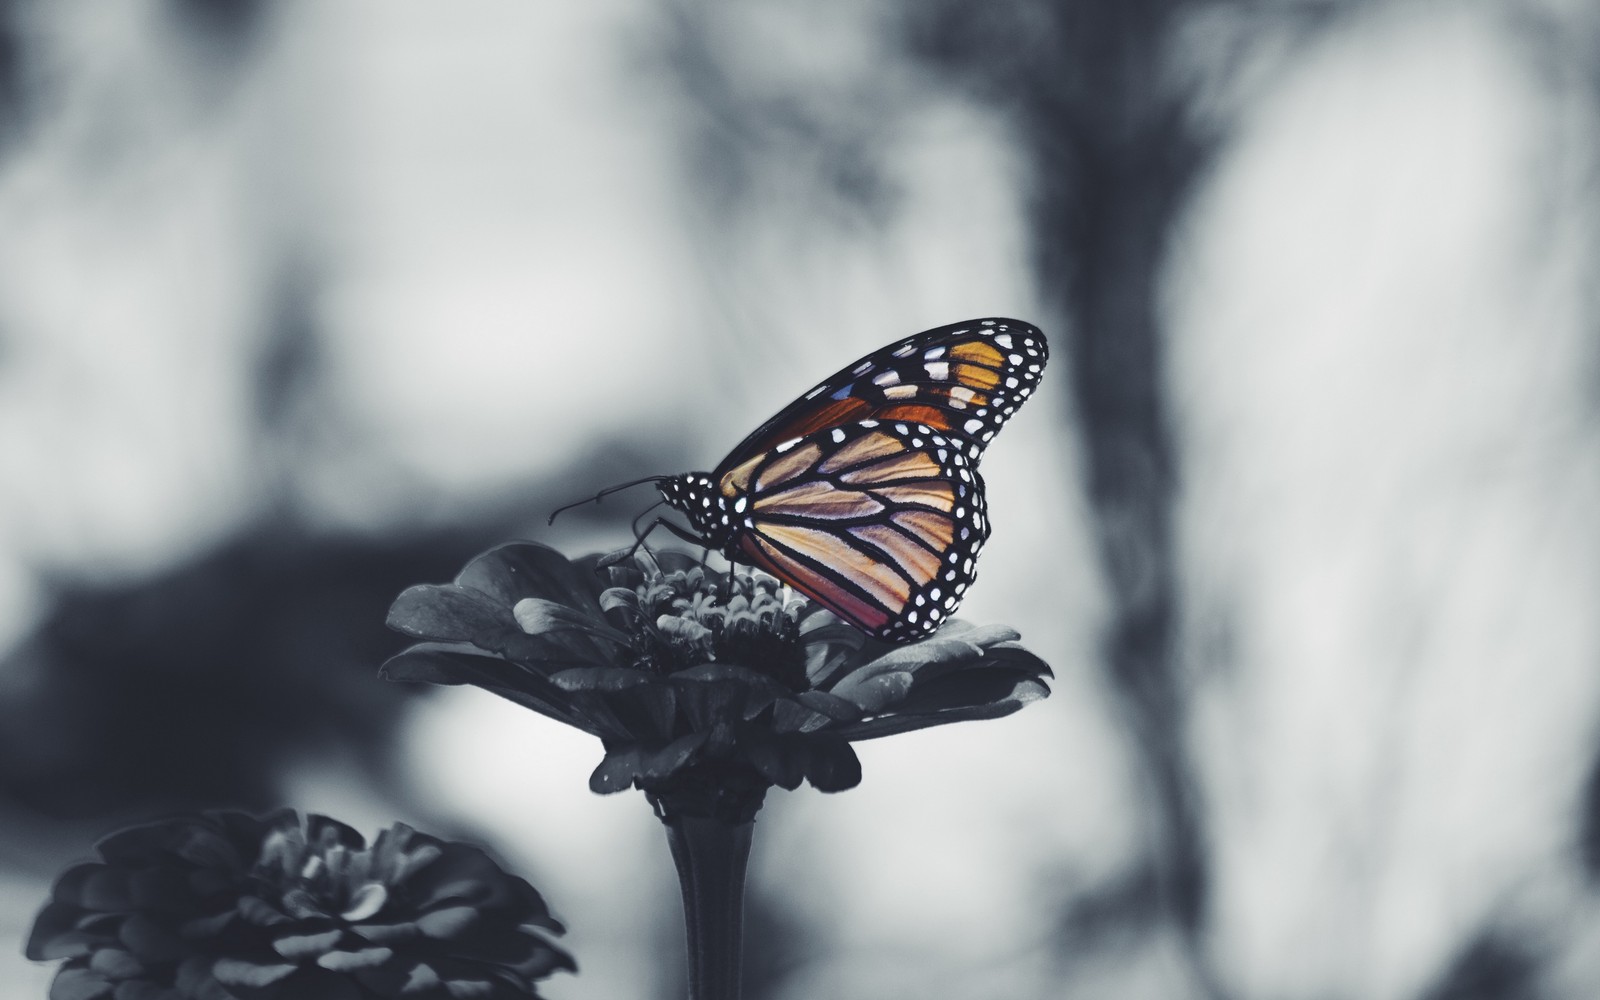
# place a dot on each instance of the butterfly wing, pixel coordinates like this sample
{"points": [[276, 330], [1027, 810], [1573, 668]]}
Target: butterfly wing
{"points": [[879, 522], [965, 380]]}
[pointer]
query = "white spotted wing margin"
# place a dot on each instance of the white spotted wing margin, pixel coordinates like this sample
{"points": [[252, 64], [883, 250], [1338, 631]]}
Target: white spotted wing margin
{"points": [[966, 379]]}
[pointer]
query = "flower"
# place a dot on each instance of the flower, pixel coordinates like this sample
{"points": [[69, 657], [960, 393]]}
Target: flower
{"points": [[222, 905], [705, 687]]}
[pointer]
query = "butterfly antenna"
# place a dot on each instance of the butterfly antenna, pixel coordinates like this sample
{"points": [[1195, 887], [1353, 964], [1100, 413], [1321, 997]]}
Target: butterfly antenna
{"points": [[605, 492]]}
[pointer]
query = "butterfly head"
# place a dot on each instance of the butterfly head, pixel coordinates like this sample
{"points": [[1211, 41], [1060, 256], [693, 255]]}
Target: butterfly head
{"points": [[711, 515]]}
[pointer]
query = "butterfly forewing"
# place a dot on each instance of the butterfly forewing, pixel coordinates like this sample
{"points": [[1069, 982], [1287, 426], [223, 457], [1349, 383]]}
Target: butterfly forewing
{"points": [[881, 522], [965, 379]]}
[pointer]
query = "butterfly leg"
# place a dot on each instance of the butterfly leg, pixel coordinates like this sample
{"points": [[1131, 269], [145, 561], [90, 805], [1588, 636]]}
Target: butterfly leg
{"points": [[639, 537]]}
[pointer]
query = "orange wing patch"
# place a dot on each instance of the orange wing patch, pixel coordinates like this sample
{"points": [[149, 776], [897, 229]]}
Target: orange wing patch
{"points": [[878, 580], [843, 411], [906, 465], [918, 414], [817, 498], [977, 377], [981, 351], [935, 529], [934, 493], [737, 479], [862, 449], [863, 615], [788, 465], [914, 559]]}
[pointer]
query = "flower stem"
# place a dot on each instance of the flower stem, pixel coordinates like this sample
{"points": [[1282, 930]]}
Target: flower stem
{"points": [[711, 856]]}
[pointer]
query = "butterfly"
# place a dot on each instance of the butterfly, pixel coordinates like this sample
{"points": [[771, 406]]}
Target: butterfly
{"points": [[864, 494]]}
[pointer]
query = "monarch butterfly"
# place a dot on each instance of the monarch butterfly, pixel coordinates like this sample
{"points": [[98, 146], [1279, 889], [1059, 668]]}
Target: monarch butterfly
{"points": [[864, 493]]}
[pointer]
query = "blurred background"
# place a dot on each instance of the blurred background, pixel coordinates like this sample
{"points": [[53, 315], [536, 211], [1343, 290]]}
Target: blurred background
{"points": [[304, 302]]}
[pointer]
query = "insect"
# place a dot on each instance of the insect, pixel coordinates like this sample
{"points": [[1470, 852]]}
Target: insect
{"points": [[864, 493]]}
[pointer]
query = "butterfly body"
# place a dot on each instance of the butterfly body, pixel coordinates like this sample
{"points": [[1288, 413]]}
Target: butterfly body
{"points": [[864, 493]]}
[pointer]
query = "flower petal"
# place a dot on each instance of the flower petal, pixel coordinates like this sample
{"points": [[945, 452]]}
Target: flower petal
{"points": [[615, 773], [142, 989], [709, 702], [516, 570], [600, 678], [452, 613], [114, 963], [763, 687], [78, 983], [300, 946], [448, 922], [149, 940], [351, 961], [55, 935], [917, 656], [256, 975], [876, 693], [625, 763], [257, 911], [667, 760], [859, 685], [830, 705], [775, 755], [973, 687], [365, 902], [890, 725], [438, 664], [94, 886], [1009, 656], [624, 599], [977, 635], [540, 617], [194, 979], [830, 763], [446, 612]]}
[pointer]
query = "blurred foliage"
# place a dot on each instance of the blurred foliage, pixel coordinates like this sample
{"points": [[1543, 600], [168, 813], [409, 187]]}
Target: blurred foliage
{"points": [[10, 70], [1114, 158], [194, 688], [1492, 967], [231, 23]]}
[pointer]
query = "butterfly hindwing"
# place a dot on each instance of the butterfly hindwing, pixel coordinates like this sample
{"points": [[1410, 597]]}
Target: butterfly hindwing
{"points": [[965, 379], [881, 522]]}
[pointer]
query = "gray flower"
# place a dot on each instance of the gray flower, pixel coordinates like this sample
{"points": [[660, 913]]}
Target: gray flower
{"points": [[228, 906], [705, 687]]}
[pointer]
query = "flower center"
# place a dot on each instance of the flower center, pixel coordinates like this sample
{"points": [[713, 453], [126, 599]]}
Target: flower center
{"points": [[696, 617]]}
